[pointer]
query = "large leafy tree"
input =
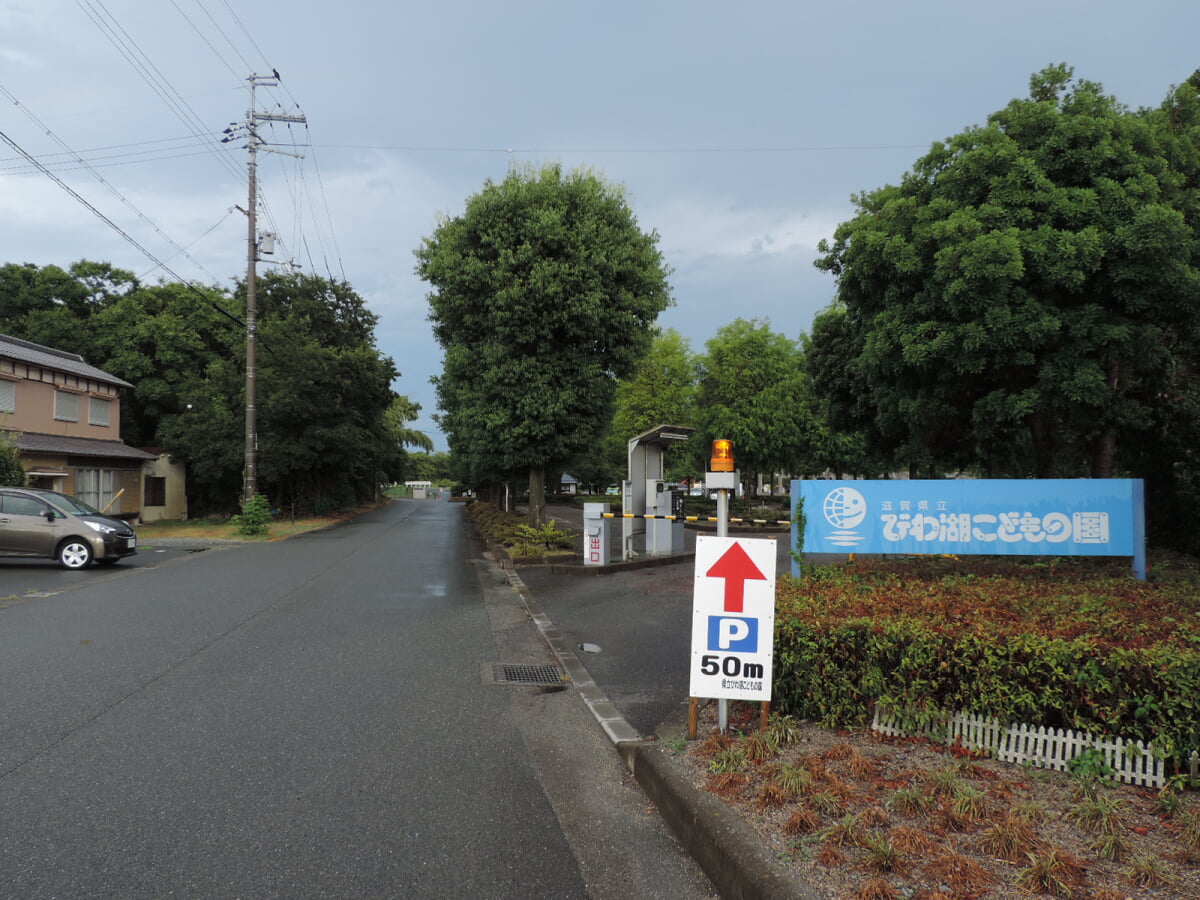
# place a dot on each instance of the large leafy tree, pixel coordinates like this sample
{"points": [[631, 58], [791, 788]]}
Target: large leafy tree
{"points": [[841, 438], [400, 435], [54, 306], [752, 391], [325, 392], [1021, 299], [397, 418], [545, 292], [435, 467], [660, 391], [324, 388], [162, 339]]}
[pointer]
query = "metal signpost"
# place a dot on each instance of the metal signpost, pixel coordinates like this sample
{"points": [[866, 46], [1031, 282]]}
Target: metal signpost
{"points": [[733, 619], [733, 608]]}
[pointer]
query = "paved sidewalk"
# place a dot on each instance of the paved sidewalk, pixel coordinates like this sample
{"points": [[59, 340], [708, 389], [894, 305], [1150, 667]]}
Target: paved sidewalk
{"points": [[624, 638]]}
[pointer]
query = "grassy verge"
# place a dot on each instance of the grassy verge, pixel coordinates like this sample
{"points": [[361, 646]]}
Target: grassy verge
{"points": [[224, 529], [1065, 643], [511, 532]]}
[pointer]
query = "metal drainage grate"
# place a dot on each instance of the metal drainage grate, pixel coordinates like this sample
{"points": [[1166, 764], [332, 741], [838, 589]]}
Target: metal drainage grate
{"points": [[507, 673]]}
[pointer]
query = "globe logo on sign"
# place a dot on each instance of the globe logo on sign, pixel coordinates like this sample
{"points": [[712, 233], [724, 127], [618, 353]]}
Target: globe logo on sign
{"points": [[845, 509]]}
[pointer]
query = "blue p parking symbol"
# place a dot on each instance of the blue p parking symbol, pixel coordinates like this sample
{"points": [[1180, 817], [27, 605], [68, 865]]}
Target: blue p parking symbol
{"points": [[732, 635]]}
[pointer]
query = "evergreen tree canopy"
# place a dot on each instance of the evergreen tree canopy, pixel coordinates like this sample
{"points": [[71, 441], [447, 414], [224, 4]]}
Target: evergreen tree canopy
{"points": [[324, 388], [752, 391], [1023, 299], [545, 292]]}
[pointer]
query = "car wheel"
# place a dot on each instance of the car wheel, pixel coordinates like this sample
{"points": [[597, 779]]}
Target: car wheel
{"points": [[74, 554]]}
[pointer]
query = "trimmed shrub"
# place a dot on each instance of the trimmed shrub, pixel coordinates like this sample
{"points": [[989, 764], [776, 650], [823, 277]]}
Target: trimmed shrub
{"points": [[1066, 645]]}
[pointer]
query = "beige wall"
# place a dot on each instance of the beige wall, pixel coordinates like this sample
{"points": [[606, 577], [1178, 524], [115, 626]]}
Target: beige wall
{"points": [[175, 483], [126, 478], [34, 404]]}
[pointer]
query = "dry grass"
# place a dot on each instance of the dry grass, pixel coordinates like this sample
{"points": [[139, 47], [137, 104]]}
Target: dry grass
{"points": [[857, 815], [209, 529]]}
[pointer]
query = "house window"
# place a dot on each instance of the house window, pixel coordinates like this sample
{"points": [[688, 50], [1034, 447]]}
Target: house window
{"points": [[155, 491], [95, 486], [8, 397], [66, 406], [98, 411]]}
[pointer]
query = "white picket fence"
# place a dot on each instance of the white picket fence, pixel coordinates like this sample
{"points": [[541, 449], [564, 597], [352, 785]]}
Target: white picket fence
{"points": [[1051, 748]]}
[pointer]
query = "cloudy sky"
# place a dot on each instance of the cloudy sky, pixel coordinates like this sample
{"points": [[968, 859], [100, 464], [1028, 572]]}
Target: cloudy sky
{"points": [[739, 131]]}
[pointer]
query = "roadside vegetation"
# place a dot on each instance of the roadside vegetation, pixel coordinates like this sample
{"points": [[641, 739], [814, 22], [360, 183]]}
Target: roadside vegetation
{"points": [[225, 528], [1063, 642], [857, 816], [330, 426], [261, 525], [512, 533], [1059, 642]]}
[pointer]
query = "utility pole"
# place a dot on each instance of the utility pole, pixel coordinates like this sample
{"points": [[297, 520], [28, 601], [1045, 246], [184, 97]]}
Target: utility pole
{"points": [[254, 142]]}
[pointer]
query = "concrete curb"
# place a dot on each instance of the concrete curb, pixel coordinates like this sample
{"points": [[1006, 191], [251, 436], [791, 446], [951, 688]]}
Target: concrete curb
{"points": [[726, 848]]}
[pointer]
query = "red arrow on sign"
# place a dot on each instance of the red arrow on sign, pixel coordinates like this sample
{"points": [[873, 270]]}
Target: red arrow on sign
{"points": [[736, 567]]}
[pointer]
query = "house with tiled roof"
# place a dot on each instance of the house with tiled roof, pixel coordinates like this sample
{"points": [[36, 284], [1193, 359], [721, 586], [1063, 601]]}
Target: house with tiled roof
{"points": [[64, 416]]}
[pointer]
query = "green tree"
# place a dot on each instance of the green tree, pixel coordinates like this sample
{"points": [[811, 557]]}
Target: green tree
{"points": [[435, 467], [752, 391], [162, 340], [12, 472], [660, 391], [324, 394], [837, 441], [324, 388], [1019, 301], [545, 292], [208, 434], [396, 420], [53, 306]]}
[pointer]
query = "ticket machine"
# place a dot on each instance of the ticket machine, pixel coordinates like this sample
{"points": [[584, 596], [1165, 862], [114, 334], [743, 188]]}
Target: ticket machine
{"points": [[664, 536], [641, 494]]}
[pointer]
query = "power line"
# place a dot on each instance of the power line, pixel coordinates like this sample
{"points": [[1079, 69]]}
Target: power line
{"points": [[249, 67], [329, 218], [82, 162], [185, 139], [82, 165], [267, 213], [202, 37], [218, 224], [646, 150], [152, 151], [299, 195], [128, 48], [118, 229], [249, 36]]}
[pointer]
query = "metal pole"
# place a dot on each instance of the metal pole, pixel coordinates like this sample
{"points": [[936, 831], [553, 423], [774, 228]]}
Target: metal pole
{"points": [[251, 483], [722, 531], [254, 142]]}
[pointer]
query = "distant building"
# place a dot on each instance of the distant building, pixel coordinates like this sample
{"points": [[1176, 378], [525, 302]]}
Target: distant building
{"points": [[65, 418]]}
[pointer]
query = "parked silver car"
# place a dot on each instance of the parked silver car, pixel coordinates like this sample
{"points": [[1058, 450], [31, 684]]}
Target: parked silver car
{"points": [[51, 525]]}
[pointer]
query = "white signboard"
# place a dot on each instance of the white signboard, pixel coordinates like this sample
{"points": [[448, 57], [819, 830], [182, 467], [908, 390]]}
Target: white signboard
{"points": [[733, 618]]}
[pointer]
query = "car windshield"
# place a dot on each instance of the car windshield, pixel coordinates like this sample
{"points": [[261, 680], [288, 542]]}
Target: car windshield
{"points": [[74, 504]]}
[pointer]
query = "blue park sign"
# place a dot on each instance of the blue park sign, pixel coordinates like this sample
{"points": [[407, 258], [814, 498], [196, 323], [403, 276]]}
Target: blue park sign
{"points": [[1033, 517]]}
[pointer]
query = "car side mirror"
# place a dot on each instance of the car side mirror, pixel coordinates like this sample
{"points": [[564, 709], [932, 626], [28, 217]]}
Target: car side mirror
{"points": [[49, 514]]}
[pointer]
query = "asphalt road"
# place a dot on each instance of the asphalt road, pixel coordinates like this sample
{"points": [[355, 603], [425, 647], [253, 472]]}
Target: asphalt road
{"points": [[307, 718], [636, 623]]}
